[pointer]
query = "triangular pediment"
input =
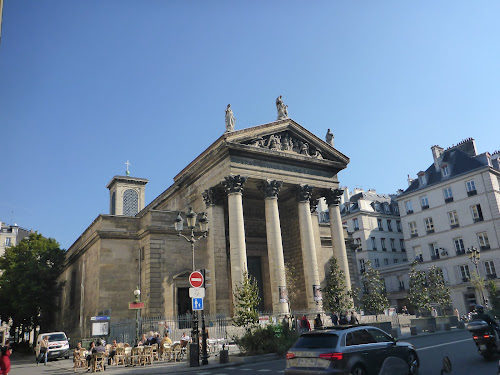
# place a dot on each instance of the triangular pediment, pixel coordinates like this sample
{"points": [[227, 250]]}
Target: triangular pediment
{"points": [[286, 137]]}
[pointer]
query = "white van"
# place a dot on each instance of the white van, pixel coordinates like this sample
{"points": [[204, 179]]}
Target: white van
{"points": [[58, 345]]}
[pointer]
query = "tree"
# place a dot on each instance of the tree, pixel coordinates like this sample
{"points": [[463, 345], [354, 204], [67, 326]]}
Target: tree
{"points": [[246, 301], [494, 297], [291, 284], [418, 295], [336, 297], [479, 284], [28, 283], [374, 299], [439, 293]]}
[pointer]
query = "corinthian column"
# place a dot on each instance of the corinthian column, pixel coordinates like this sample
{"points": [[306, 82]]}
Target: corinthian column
{"points": [[337, 232], [275, 246], [237, 247], [308, 245], [217, 296]]}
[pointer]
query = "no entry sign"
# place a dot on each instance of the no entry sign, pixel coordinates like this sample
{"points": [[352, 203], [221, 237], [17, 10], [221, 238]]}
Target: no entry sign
{"points": [[196, 279]]}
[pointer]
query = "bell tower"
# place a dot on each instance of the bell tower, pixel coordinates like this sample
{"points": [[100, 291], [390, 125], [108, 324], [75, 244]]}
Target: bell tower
{"points": [[126, 195]]}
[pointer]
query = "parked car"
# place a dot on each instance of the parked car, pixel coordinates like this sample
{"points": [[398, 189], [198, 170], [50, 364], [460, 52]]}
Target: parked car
{"points": [[58, 345], [349, 349]]}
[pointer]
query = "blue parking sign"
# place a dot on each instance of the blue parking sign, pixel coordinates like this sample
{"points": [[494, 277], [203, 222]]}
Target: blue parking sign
{"points": [[197, 303]]}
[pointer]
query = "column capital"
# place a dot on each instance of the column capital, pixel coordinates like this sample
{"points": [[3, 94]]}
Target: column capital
{"points": [[303, 192], [213, 196], [270, 188], [234, 183], [314, 205], [332, 196]]}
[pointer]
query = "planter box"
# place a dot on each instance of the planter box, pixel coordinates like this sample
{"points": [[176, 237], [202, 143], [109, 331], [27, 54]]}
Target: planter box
{"points": [[449, 319], [384, 326], [425, 324]]}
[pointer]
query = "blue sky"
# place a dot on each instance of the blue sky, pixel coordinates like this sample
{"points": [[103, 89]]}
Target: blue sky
{"points": [[87, 85]]}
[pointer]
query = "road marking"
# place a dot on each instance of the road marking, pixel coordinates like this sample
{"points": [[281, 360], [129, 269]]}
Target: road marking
{"points": [[264, 369], [446, 343]]}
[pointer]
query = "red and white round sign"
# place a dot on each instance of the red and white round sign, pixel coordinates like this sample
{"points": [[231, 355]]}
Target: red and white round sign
{"points": [[196, 279]]}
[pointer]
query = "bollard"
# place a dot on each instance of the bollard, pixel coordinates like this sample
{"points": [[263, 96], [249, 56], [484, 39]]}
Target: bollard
{"points": [[413, 330], [194, 355], [224, 356]]}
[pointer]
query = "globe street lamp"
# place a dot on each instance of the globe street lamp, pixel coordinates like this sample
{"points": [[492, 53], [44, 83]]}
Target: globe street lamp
{"points": [[179, 226], [474, 256], [137, 299]]}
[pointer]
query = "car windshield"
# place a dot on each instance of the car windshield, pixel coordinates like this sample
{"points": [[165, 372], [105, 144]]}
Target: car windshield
{"points": [[322, 341], [57, 337]]}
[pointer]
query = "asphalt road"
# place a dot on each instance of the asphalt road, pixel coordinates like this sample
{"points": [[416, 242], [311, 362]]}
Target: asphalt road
{"points": [[457, 345]]}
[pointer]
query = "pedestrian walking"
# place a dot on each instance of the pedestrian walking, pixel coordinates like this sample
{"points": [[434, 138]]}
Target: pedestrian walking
{"points": [[304, 324], [318, 323], [353, 319], [44, 347], [5, 359], [335, 319]]}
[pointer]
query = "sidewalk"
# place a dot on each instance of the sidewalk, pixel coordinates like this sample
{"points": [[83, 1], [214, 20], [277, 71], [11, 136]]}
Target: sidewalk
{"points": [[25, 364]]}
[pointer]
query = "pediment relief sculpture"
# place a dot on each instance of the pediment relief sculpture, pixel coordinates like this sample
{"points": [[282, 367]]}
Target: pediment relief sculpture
{"points": [[285, 142]]}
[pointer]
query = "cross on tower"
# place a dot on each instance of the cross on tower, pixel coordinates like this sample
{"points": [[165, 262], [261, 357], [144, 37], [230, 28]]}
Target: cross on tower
{"points": [[127, 164]]}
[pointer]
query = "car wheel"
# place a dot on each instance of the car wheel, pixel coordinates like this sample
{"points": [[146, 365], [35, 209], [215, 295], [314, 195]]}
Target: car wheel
{"points": [[358, 370], [412, 357], [66, 356]]}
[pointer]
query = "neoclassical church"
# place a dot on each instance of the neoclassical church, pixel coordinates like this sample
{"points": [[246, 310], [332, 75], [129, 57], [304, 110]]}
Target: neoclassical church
{"points": [[258, 187]]}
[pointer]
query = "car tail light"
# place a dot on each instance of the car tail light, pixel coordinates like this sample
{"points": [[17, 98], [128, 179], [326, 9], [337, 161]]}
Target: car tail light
{"points": [[331, 356], [487, 336], [290, 355], [475, 337]]}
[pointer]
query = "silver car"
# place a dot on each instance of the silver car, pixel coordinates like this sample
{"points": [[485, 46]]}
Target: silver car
{"points": [[351, 349]]}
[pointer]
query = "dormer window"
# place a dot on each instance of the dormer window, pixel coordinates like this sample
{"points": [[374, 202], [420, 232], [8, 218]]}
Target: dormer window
{"points": [[445, 171], [421, 178]]}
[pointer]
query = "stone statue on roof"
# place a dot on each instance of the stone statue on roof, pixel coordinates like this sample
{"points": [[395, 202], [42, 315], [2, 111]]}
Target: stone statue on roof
{"points": [[230, 120], [282, 108], [329, 137]]}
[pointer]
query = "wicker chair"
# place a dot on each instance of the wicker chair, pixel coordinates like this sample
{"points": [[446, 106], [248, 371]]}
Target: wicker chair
{"points": [[155, 352], [166, 354], [98, 362], [147, 356], [79, 360], [119, 356], [135, 356]]}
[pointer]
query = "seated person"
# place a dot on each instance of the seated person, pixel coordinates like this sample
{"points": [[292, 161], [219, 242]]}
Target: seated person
{"points": [[112, 353], [91, 351], [185, 339], [143, 341]]}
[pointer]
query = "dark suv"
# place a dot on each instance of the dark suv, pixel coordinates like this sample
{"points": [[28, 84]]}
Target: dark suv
{"points": [[350, 349]]}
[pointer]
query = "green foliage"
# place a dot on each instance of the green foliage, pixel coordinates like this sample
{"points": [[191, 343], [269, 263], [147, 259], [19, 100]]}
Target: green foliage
{"points": [[336, 298], [418, 295], [268, 339], [439, 293], [28, 283], [494, 298], [291, 284], [374, 299], [247, 300], [478, 283]]}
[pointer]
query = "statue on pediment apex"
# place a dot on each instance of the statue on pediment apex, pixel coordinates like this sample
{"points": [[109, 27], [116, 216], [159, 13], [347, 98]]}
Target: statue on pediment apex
{"points": [[282, 108], [230, 120]]}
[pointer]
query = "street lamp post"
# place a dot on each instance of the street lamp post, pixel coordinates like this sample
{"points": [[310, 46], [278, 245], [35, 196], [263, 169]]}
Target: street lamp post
{"points": [[137, 296], [179, 226], [474, 256]]}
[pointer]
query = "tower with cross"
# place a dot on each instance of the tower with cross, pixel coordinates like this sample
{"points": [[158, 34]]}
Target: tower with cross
{"points": [[126, 194]]}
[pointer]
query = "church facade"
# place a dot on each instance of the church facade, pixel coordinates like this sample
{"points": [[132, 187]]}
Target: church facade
{"points": [[258, 186]]}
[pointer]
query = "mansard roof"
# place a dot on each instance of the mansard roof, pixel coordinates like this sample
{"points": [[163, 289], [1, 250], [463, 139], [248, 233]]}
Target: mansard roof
{"points": [[460, 159], [376, 201]]}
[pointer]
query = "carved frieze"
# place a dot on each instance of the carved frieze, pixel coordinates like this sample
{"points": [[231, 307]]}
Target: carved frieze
{"points": [[213, 196], [234, 183], [285, 142], [332, 196], [303, 192], [270, 188]]}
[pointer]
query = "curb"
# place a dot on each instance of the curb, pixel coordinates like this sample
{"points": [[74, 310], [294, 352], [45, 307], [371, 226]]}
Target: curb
{"points": [[431, 334]]}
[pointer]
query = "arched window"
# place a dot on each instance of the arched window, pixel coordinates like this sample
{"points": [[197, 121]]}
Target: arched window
{"points": [[113, 204], [130, 203]]}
